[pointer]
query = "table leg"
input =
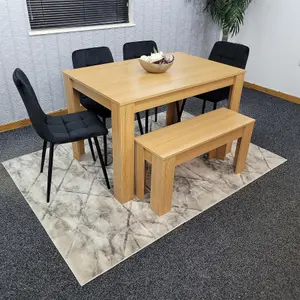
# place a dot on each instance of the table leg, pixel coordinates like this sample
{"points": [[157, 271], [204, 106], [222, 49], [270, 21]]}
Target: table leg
{"points": [[233, 104], [172, 113], [123, 151], [236, 93], [140, 171], [73, 105]]}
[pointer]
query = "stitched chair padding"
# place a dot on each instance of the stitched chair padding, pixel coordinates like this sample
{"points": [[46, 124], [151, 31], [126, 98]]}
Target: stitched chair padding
{"points": [[133, 50], [74, 127], [87, 58], [231, 54], [95, 107], [57, 129]]}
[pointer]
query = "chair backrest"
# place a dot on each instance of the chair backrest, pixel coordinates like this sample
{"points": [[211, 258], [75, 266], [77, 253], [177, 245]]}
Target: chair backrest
{"points": [[87, 58], [137, 49], [91, 57], [232, 54], [34, 110]]}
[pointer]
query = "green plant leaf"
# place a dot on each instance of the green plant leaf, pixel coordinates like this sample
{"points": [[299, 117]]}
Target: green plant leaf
{"points": [[228, 14]]}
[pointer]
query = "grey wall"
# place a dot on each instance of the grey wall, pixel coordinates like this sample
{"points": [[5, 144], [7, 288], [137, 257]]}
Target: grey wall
{"points": [[176, 25]]}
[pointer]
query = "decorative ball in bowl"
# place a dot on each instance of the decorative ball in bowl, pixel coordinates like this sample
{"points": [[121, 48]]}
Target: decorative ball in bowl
{"points": [[157, 62]]}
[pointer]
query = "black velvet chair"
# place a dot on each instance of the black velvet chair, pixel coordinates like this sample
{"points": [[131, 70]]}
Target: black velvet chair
{"points": [[92, 57], [134, 50], [232, 54], [59, 129]]}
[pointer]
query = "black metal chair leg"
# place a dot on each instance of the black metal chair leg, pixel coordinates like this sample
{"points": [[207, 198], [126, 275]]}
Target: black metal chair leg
{"points": [[203, 106], [105, 149], [102, 162], [156, 113], [43, 156], [50, 171], [92, 149], [138, 116], [215, 105], [182, 106], [180, 109], [105, 144], [147, 121]]}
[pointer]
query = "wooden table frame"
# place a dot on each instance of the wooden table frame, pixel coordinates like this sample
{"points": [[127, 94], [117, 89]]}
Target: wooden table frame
{"points": [[123, 117]]}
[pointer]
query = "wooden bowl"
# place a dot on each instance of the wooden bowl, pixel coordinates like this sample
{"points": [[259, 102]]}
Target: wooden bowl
{"points": [[155, 68]]}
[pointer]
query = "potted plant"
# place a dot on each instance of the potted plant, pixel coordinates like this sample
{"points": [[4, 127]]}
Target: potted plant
{"points": [[229, 14]]}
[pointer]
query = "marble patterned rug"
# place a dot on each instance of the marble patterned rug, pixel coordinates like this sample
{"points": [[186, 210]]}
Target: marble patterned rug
{"points": [[92, 231]]}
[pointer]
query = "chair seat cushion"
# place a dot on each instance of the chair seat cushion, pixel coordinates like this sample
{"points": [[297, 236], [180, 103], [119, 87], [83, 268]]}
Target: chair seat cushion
{"points": [[95, 107], [215, 96], [74, 127]]}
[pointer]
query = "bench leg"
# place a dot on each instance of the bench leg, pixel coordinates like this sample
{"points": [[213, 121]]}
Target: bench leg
{"points": [[212, 154], [219, 153], [162, 180], [139, 171], [242, 149]]}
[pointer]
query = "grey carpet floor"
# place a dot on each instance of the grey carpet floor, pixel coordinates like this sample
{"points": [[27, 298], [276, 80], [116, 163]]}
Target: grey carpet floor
{"points": [[246, 247]]}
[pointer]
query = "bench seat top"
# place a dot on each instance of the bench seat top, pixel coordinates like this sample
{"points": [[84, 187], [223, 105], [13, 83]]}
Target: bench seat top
{"points": [[181, 137]]}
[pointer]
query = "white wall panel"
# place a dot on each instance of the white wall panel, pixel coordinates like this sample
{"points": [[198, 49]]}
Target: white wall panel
{"points": [[176, 25], [271, 31]]}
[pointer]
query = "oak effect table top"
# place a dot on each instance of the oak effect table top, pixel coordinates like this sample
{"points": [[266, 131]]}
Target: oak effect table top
{"points": [[127, 82]]}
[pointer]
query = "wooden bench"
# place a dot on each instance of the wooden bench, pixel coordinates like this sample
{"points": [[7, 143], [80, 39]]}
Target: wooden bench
{"points": [[173, 145]]}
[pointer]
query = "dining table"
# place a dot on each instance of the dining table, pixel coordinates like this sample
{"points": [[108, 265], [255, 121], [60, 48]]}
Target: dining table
{"points": [[126, 88]]}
